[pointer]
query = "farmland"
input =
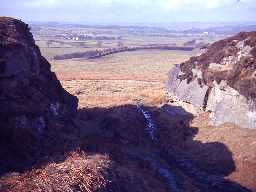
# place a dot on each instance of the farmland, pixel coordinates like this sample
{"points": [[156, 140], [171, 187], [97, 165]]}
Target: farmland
{"points": [[119, 78]]}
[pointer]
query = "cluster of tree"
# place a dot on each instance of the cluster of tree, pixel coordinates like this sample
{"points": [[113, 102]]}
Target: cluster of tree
{"points": [[100, 53]]}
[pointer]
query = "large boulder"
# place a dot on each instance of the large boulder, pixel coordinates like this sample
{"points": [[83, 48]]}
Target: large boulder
{"points": [[32, 100], [221, 80]]}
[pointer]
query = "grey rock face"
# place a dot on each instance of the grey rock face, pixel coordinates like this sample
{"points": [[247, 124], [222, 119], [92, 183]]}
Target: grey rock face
{"points": [[227, 105], [221, 80], [188, 92]]}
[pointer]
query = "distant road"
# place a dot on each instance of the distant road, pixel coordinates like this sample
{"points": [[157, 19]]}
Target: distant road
{"points": [[101, 53]]}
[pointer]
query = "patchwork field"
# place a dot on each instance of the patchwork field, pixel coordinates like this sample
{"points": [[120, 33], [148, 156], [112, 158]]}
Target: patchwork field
{"points": [[118, 78]]}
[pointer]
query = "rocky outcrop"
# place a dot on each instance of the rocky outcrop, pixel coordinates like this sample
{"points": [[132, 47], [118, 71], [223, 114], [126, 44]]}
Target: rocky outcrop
{"points": [[31, 97], [221, 80]]}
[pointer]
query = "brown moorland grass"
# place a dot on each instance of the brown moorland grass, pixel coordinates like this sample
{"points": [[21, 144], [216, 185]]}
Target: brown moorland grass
{"points": [[119, 79], [106, 87], [126, 78]]}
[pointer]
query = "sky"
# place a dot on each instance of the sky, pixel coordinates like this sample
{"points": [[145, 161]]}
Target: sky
{"points": [[130, 11]]}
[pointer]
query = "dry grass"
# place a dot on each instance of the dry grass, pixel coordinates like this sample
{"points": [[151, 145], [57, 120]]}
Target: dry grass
{"points": [[119, 79], [107, 93], [77, 172], [144, 64], [108, 127], [240, 142]]}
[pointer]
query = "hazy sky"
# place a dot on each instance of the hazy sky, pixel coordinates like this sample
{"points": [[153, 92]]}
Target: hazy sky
{"points": [[130, 11]]}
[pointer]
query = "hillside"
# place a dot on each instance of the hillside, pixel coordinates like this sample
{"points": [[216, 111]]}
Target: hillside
{"points": [[49, 142]]}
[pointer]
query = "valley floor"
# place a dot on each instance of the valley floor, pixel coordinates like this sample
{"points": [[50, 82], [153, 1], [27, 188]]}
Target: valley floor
{"points": [[119, 79], [120, 97], [141, 76]]}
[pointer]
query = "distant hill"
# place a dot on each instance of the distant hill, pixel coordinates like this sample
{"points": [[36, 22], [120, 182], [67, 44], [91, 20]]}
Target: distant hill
{"points": [[222, 30]]}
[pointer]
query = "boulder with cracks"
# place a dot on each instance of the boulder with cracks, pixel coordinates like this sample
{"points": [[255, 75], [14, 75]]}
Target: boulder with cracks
{"points": [[220, 80]]}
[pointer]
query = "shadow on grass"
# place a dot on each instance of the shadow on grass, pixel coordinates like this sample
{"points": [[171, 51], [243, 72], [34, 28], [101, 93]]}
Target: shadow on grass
{"points": [[116, 130]]}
